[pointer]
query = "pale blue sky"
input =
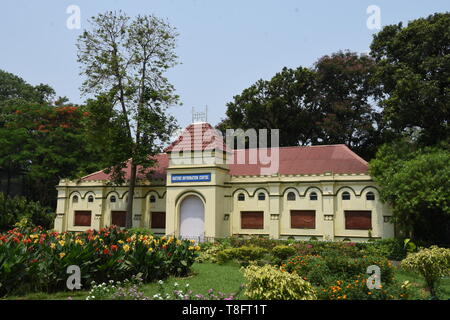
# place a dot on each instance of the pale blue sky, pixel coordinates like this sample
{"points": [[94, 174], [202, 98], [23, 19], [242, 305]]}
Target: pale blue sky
{"points": [[224, 46]]}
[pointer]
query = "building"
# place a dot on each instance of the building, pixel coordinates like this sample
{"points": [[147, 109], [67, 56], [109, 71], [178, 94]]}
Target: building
{"points": [[198, 190]]}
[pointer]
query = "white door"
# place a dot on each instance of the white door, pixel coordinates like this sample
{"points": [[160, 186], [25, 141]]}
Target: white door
{"points": [[192, 218]]}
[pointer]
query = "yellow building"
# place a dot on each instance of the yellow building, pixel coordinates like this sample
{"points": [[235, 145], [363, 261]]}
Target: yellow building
{"points": [[199, 190]]}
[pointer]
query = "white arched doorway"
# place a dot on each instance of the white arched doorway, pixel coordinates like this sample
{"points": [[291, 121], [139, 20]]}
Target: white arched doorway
{"points": [[192, 218]]}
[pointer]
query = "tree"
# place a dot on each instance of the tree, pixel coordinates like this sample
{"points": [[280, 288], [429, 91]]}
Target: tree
{"points": [[327, 104], [413, 69], [46, 143], [285, 102], [124, 61], [345, 97], [415, 182]]}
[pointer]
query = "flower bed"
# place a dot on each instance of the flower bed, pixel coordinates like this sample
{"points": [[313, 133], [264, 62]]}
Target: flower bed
{"points": [[36, 260]]}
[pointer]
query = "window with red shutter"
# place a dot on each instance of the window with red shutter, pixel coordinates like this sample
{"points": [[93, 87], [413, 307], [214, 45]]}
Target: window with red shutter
{"points": [[358, 220], [252, 220], [158, 220], [82, 218], [119, 218], [303, 219]]}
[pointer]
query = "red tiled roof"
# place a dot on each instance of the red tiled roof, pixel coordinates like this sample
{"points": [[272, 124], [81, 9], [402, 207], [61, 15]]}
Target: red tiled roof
{"points": [[292, 160], [198, 137]]}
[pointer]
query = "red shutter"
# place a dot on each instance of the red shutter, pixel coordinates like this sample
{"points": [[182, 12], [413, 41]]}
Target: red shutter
{"points": [[83, 218], [358, 220], [158, 220], [303, 219], [119, 218], [252, 220]]}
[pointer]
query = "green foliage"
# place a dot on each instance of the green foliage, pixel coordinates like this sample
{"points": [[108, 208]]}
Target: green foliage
{"points": [[244, 255], [19, 209], [209, 252], [33, 260], [413, 69], [270, 283], [416, 183], [326, 104], [432, 263], [282, 252]]}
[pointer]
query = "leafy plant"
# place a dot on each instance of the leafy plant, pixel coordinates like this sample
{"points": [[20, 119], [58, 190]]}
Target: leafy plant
{"points": [[432, 263], [270, 283]]}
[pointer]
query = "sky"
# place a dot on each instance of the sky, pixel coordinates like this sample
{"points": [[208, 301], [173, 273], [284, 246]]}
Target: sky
{"points": [[223, 46]]}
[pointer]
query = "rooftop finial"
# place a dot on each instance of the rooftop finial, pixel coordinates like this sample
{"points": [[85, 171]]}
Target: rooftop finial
{"points": [[200, 116]]}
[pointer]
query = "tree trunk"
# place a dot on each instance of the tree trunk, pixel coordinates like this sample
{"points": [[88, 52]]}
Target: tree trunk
{"points": [[129, 217]]}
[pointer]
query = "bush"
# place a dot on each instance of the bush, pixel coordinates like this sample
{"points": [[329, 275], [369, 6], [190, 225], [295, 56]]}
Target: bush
{"points": [[283, 252], [321, 270], [36, 260], [209, 252], [244, 255], [13, 210], [270, 283], [432, 263], [356, 289]]}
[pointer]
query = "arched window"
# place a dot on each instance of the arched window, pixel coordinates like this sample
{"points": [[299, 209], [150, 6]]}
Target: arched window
{"points": [[91, 199], [261, 196], [241, 197], [291, 196], [370, 195], [346, 196], [113, 199], [313, 196], [75, 199], [152, 199]]}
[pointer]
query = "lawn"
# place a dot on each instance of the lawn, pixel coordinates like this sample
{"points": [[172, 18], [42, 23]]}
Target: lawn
{"points": [[227, 278]]}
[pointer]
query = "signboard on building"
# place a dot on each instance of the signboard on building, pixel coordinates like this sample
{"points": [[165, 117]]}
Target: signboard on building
{"points": [[196, 177]]}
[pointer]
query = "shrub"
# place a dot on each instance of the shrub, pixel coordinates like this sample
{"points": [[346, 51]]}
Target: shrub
{"points": [[36, 260], [270, 283], [432, 263], [321, 270], [356, 289], [244, 255], [283, 252], [13, 210], [209, 252]]}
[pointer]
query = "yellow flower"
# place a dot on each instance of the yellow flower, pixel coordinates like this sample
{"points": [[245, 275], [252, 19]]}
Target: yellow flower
{"points": [[178, 242], [126, 248], [192, 241], [35, 241], [52, 245], [197, 248], [120, 241], [150, 249], [61, 255], [62, 243], [80, 242], [191, 248]]}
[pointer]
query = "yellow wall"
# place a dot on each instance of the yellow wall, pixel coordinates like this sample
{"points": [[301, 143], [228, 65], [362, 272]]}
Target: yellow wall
{"points": [[220, 202]]}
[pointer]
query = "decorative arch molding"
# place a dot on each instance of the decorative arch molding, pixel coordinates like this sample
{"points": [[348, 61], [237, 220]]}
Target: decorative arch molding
{"points": [[258, 190], [288, 189], [124, 195], [160, 196], [179, 199], [75, 193], [87, 194], [112, 193], [240, 189], [369, 188], [347, 188], [313, 189]]}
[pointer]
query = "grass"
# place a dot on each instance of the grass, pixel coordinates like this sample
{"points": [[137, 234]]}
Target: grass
{"points": [[418, 285], [227, 278]]}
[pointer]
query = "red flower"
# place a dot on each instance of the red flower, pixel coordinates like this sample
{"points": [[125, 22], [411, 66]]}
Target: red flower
{"points": [[105, 251], [114, 247]]}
